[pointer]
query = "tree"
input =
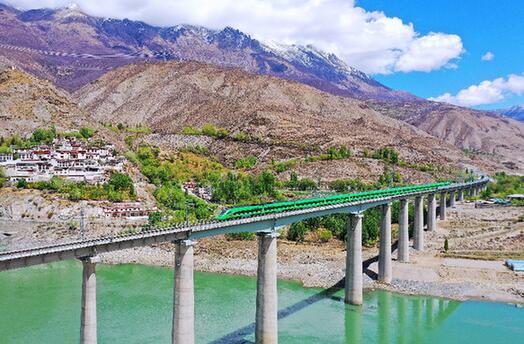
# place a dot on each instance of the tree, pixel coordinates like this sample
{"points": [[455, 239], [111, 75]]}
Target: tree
{"points": [[155, 218], [21, 183], [121, 182], [86, 132]]}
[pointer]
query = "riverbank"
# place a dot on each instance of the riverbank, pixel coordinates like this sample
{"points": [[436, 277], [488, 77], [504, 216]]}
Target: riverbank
{"points": [[428, 273]]}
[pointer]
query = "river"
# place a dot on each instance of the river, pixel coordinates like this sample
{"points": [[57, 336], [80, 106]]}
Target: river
{"points": [[42, 305]]}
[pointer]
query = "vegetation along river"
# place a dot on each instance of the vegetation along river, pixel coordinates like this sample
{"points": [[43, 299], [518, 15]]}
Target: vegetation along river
{"points": [[42, 305]]}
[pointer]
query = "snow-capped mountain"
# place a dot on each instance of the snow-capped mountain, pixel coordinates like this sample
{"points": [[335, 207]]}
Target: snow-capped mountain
{"points": [[515, 112], [45, 37]]}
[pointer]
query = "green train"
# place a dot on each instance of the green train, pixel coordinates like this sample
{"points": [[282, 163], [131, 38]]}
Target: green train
{"points": [[277, 207]]}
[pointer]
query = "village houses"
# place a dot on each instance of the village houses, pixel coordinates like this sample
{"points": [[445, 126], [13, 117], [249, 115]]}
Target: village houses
{"points": [[66, 157]]}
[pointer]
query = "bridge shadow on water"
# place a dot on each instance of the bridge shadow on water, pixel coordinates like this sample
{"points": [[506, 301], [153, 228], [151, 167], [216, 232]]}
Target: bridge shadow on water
{"points": [[238, 336]]}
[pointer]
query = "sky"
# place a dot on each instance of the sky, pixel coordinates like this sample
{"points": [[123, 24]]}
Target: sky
{"points": [[466, 52]]}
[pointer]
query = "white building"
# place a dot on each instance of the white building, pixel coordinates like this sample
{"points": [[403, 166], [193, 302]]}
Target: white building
{"points": [[66, 157]]}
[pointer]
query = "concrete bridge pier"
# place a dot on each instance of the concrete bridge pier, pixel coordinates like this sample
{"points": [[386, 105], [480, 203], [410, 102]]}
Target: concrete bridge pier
{"points": [[353, 285], [443, 206], [403, 236], [184, 294], [384, 259], [461, 195], [418, 230], [452, 199], [432, 213], [266, 326], [88, 334]]}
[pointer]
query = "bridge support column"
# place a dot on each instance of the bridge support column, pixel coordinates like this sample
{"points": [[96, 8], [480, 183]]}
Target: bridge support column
{"points": [[184, 294], [88, 333], [452, 199], [418, 230], [353, 286], [443, 206], [384, 262], [266, 329], [403, 237], [432, 213], [461, 195]]}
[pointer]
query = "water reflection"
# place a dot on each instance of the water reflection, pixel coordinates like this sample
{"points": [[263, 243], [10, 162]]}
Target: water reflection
{"points": [[353, 324], [397, 318]]}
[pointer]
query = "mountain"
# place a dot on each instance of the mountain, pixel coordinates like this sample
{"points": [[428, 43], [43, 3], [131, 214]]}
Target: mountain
{"points": [[474, 131], [285, 119], [71, 49], [27, 103], [516, 112]]}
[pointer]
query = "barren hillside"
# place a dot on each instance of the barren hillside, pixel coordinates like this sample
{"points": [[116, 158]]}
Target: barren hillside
{"points": [[494, 136], [27, 103], [168, 96]]}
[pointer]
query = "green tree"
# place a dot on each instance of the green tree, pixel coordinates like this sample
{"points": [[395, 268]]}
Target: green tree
{"points": [[154, 218], [121, 182], [87, 132], [21, 183]]}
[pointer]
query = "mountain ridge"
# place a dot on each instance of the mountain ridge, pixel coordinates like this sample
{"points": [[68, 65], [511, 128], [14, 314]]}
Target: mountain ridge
{"points": [[83, 48], [516, 112], [227, 47]]}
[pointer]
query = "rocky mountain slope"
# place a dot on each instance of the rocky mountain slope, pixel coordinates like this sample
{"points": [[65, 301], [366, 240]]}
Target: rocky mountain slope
{"points": [[57, 44], [168, 96], [71, 49], [27, 103], [516, 112], [477, 132]]}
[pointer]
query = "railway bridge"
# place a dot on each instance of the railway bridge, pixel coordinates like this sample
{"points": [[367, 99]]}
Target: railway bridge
{"points": [[266, 224]]}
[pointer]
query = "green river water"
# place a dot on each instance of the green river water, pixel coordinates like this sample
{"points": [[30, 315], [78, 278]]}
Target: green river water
{"points": [[42, 305]]}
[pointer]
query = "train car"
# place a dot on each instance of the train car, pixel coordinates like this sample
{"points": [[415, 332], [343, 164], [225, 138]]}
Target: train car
{"points": [[277, 207]]}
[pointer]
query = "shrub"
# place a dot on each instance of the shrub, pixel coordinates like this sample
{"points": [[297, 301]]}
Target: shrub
{"points": [[41, 135], [86, 132], [129, 140], [191, 131], [324, 235], [195, 149], [282, 166], [387, 154], [121, 182], [241, 236], [247, 162], [21, 184], [241, 136], [297, 231], [446, 245]]}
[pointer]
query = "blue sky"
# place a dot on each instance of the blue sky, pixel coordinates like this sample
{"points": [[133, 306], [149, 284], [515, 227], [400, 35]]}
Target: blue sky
{"points": [[483, 25]]}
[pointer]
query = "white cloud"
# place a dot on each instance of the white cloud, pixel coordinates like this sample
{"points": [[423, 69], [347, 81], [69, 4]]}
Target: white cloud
{"points": [[487, 92], [370, 41], [489, 56]]}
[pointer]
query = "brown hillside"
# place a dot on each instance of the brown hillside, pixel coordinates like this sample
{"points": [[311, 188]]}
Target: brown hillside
{"points": [[170, 95], [27, 103], [480, 132]]}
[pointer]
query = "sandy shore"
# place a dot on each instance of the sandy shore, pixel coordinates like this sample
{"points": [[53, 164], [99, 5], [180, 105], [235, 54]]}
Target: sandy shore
{"points": [[427, 273]]}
